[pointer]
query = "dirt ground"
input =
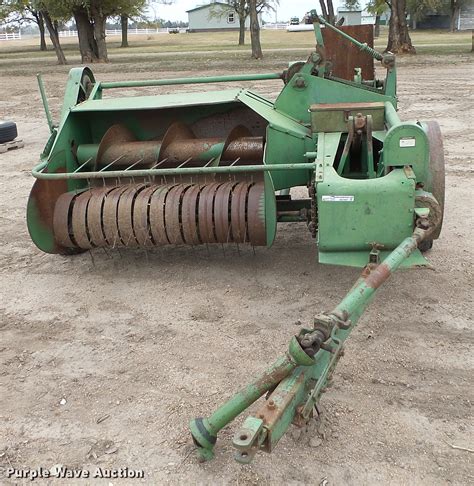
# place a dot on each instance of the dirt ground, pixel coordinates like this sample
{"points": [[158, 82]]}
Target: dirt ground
{"points": [[148, 343]]}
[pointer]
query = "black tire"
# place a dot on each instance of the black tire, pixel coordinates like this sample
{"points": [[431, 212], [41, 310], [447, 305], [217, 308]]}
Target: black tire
{"points": [[8, 131], [86, 88], [425, 245]]}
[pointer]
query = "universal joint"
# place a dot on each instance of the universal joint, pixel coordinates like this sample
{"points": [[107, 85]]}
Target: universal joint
{"points": [[312, 340]]}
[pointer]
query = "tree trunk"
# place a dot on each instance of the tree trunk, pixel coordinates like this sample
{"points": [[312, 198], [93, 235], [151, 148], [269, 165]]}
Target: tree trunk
{"points": [[99, 34], [241, 30], [124, 24], [99, 20], [255, 31], [377, 26], [40, 22], [54, 36], [332, 17], [399, 41], [454, 14], [324, 10], [85, 32], [472, 48]]}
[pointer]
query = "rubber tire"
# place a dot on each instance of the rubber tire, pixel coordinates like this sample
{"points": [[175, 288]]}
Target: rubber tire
{"points": [[8, 131], [437, 176], [437, 168], [425, 245]]}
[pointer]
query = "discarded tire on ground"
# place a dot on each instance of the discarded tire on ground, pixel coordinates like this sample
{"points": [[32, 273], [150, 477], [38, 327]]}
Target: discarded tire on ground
{"points": [[8, 131]]}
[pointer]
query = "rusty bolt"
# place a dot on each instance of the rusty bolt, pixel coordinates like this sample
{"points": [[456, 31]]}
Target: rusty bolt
{"points": [[271, 404], [300, 83]]}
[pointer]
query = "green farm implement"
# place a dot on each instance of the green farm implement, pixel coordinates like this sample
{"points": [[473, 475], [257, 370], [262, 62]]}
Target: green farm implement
{"points": [[217, 167]]}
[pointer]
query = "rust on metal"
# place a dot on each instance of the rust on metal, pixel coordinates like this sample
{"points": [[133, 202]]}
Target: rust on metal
{"points": [[120, 149], [109, 216], [79, 220], [256, 215], [141, 224], [206, 213], [146, 154], [189, 207], [94, 216], [122, 154], [147, 215], [43, 197], [157, 215], [116, 134], [345, 56], [222, 212], [61, 223], [238, 209], [125, 211], [272, 410], [378, 276]]}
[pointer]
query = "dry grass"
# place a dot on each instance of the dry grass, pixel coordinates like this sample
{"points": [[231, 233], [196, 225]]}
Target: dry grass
{"points": [[157, 44]]}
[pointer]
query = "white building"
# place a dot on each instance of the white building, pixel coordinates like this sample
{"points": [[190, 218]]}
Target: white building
{"points": [[351, 16], [466, 18], [214, 16]]}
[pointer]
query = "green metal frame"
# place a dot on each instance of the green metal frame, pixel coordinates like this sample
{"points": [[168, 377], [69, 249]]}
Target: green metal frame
{"points": [[363, 212], [297, 379]]}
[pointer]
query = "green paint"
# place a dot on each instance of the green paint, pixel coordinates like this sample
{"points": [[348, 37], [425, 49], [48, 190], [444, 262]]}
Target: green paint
{"points": [[301, 390], [367, 199], [39, 233]]}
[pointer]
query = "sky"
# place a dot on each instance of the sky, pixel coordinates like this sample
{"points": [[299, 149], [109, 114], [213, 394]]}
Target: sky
{"points": [[286, 9]]}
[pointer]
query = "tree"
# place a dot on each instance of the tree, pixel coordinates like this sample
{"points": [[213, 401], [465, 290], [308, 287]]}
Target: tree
{"points": [[454, 9], [351, 4], [128, 9], [399, 41], [124, 26], [255, 30], [242, 9], [90, 17], [20, 11], [419, 9], [327, 9], [377, 8], [40, 21], [52, 26], [35, 11]]}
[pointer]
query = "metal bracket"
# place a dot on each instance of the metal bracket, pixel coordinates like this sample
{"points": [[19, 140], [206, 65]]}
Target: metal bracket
{"points": [[248, 439]]}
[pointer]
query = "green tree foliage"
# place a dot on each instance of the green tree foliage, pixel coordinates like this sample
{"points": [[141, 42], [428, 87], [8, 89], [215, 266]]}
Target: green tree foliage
{"points": [[242, 9], [351, 4], [377, 8], [17, 12], [399, 41], [91, 17]]}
